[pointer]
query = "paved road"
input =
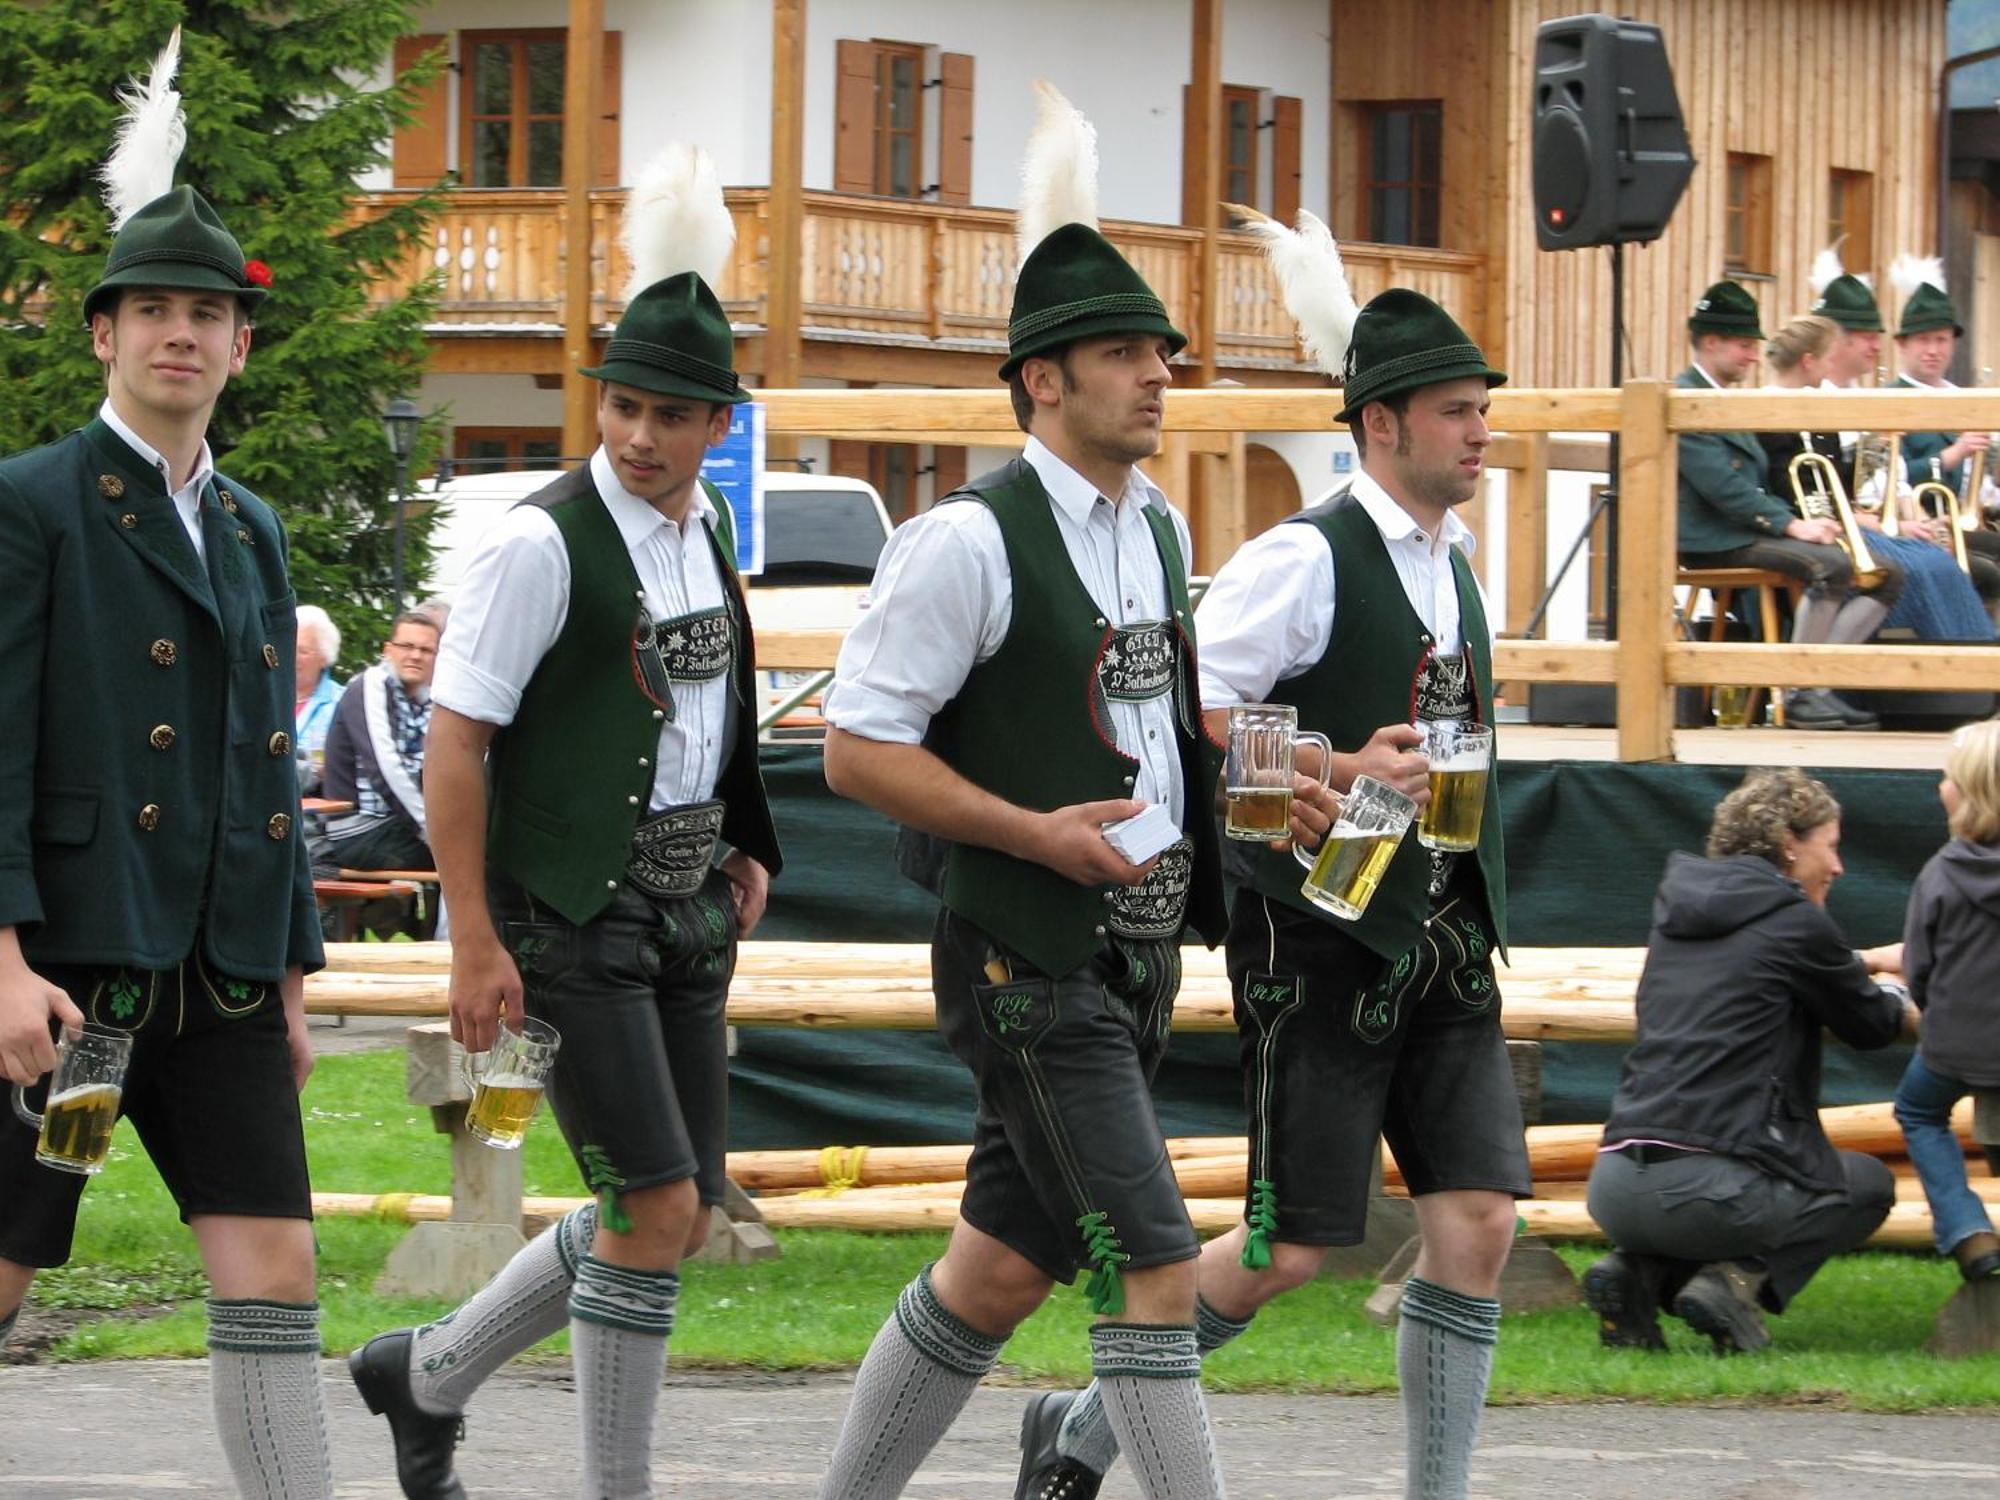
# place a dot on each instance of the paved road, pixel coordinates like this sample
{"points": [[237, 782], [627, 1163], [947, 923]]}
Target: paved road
{"points": [[137, 1430]]}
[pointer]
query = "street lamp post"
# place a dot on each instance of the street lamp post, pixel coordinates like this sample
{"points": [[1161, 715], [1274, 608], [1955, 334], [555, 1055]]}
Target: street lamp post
{"points": [[402, 421]]}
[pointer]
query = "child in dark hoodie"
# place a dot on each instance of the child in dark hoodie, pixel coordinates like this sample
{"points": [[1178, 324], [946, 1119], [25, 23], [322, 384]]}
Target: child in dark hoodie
{"points": [[1951, 956]]}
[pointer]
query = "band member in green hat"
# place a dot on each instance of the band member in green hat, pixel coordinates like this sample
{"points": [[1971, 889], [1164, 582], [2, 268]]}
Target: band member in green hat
{"points": [[1046, 604], [1727, 519], [1848, 301], [1926, 339], [599, 667], [153, 881]]}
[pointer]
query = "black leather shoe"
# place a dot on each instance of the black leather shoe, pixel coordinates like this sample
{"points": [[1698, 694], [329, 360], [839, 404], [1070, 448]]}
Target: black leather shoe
{"points": [[424, 1443], [1720, 1300], [1045, 1473], [1624, 1291]]}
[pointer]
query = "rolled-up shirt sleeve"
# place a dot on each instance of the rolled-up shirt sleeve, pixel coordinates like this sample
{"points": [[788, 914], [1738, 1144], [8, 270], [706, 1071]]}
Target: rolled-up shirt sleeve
{"points": [[1267, 615], [940, 604], [509, 609]]}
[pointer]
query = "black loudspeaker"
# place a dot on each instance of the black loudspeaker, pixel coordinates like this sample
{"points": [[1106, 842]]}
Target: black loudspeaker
{"points": [[1611, 153]]}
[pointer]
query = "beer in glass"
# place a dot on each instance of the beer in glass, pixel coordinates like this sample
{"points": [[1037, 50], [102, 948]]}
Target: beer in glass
{"points": [[507, 1088], [1355, 854], [1732, 707], [74, 1127], [1461, 757], [1257, 784]]}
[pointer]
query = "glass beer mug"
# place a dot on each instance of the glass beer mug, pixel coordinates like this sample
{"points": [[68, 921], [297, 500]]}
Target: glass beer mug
{"points": [[1461, 757], [507, 1086], [1353, 857], [1257, 785], [74, 1127]]}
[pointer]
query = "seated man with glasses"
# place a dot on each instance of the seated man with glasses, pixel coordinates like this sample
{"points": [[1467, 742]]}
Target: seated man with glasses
{"points": [[375, 757]]}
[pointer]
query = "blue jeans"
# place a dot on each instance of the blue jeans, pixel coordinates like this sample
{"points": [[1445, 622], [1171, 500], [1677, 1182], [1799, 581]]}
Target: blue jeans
{"points": [[1924, 1101]]}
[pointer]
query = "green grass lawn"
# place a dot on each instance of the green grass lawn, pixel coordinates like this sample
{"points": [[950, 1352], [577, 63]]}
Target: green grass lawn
{"points": [[1856, 1337]]}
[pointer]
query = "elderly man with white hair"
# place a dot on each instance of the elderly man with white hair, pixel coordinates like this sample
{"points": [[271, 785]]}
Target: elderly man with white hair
{"points": [[317, 694]]}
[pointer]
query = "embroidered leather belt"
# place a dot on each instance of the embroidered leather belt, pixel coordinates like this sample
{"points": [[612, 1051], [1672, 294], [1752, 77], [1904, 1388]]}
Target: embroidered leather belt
{"points": [[672, 852], [1154, 907]]}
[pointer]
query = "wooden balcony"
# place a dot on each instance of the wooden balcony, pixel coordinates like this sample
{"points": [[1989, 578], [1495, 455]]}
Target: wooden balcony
{"points": [[880, 272]]}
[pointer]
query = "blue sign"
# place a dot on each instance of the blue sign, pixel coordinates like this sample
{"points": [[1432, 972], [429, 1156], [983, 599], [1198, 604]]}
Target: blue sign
{"points": [[736, 467]]}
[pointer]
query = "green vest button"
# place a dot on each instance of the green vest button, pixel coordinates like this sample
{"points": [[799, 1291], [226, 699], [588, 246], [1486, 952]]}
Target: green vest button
{"points": [[149, 816], [658, 714], [279, 826], [161, 737], [128, 521], [631, 801], [611, 885], [110, 486], [281, 743], [165, 653]]}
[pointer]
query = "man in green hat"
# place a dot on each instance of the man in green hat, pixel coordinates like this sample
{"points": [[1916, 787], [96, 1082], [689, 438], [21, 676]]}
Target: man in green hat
{"points": [[1045, 604], [1926, 340], [599, 671], [1727, 519], [153, 882], [1849, 301]]}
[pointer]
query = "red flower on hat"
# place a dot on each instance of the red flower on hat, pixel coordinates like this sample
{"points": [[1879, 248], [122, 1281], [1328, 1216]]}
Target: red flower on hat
{"points": [[256, 273]]}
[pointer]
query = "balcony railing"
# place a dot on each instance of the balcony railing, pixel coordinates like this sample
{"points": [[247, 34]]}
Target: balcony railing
{"points": [[884, 268]]}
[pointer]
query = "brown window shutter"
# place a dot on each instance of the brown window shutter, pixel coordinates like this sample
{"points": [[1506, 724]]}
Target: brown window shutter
{"points": [[854, 119], [955, 129], [1286, 115], [612, 103], [418, 158]]}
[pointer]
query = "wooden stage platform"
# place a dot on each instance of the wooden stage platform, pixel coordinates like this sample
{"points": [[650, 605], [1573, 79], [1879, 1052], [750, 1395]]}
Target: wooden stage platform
{"points": [[1873, 750]]}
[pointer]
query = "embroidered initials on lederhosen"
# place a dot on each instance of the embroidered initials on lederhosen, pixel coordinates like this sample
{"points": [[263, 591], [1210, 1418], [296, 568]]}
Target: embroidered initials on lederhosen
{"points": [[695, 647]]}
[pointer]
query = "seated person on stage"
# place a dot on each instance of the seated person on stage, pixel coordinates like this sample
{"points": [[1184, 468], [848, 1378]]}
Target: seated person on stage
{"points": [[317, 693], [375, 757], [1715, 1182], [1926, 339], [1951, 951], [1727, 519], [1940, 602]]}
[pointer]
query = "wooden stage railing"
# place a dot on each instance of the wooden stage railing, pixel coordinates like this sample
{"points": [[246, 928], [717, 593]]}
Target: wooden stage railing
{"points": [[1647, 662]]}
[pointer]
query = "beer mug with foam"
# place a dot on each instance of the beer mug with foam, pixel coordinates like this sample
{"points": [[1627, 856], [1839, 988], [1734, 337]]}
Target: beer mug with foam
{"points": [[508, 1081], [1461, 757], [89, 1079], [1257, 785], [1356, 851]]}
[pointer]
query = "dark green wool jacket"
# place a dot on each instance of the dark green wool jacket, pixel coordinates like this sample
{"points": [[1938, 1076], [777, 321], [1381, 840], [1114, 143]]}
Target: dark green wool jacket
{"points": [[1041, 689], [1723, 502], [1367, 678], [147, 789], [574, 771], [1919, 448]]}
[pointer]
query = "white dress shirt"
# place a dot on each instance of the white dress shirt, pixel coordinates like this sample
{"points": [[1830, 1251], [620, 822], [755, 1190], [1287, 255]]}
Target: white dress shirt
{"points": [[187, 499], [1268, 614], [943, 599], [514, 599]]}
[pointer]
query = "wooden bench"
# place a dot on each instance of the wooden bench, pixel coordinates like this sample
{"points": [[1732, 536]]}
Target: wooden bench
{"points": [[346, 898], [1723, 585]]}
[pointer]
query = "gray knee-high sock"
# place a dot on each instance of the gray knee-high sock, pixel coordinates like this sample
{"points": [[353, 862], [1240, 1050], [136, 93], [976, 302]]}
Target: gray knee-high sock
{"points": [[619, 1322], [524, 1304], [263, 1364], [1444, 1358], [1086, 1435], [1858, 619], [921, 1370], [1150, 1376]]}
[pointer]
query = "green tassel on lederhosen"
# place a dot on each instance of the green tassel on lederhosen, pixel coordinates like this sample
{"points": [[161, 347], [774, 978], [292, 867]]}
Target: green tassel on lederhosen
{"points": [[1263, 1221], [1105, 1290], [605, 1182]]}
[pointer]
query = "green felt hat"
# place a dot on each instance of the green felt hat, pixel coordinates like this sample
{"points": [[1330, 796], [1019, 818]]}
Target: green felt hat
{"points": [[177, 241], [1403, 340], [1928, 308], [1848, 302], [1726, 308], [1075, 285], [674, 340]]}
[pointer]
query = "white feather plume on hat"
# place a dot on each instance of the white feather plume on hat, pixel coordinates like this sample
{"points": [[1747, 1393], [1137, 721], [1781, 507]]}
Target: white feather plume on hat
{"points": [[1058, 171], [1312, 279], [149, 139], [1826, 269], [1908, 272], [676, 220]]}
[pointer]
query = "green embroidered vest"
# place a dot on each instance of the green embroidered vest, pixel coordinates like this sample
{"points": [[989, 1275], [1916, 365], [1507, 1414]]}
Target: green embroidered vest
{"points": [[1026, 726], [1368, 677], [573, 773]]}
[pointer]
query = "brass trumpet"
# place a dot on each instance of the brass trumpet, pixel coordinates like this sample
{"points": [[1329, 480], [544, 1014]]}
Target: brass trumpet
{"points": [[1940, 502], [1820, 496]]}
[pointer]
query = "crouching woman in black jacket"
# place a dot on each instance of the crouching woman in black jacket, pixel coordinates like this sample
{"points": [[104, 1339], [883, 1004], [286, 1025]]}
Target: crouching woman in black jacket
{"points": [[1715, 1181]]}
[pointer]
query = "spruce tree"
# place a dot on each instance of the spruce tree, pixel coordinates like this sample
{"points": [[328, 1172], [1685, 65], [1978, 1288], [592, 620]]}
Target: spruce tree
{"points": [[283, 114]]}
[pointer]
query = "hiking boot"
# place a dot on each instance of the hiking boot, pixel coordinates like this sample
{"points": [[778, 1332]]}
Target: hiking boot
{"points": [[1819, 708], [1045, 1473], [1720, 1300], [1624, 1291]]}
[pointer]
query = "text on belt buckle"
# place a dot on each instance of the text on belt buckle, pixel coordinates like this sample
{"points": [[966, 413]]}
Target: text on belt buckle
{"points": [[671, 853], [1154, 907]]}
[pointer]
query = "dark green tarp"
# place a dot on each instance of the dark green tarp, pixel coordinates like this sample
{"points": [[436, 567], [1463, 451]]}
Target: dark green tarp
{"points": [[1586, 842]]}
